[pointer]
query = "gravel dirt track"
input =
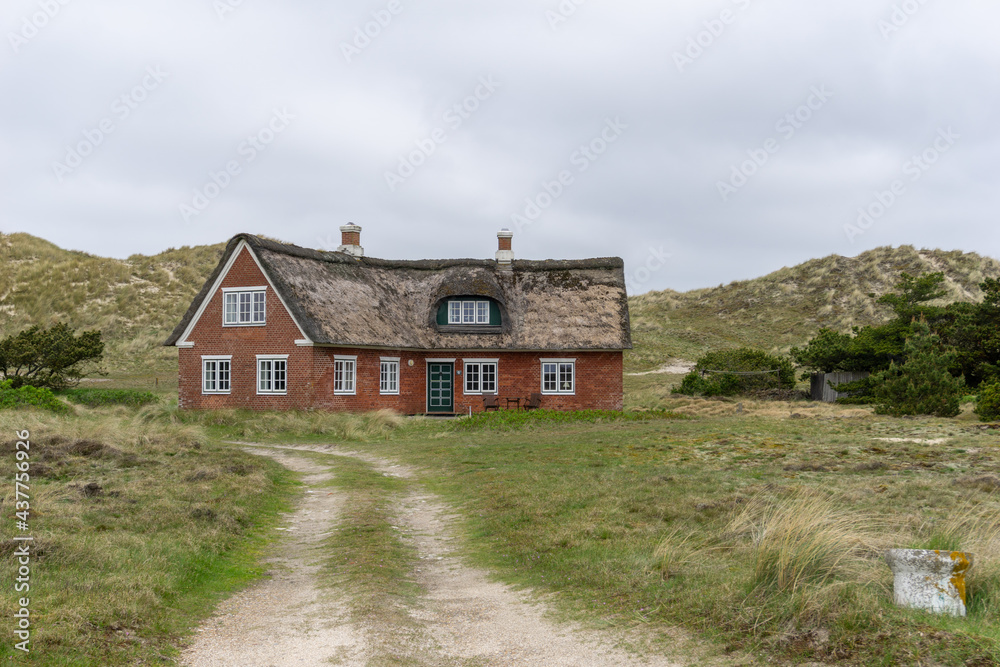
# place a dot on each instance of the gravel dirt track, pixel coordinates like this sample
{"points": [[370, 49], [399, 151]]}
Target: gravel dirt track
{"points": [[464, 619]]}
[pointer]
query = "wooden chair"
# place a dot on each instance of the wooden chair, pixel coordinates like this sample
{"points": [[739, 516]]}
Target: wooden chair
{"points": [[490, 402], [534, 402]]}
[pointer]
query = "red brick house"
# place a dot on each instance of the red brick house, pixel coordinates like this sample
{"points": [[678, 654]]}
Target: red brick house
{"points": [[280, 327]]}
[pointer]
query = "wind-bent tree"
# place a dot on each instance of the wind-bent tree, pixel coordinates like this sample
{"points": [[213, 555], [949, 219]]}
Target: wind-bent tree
{"points": [[54, 357]]}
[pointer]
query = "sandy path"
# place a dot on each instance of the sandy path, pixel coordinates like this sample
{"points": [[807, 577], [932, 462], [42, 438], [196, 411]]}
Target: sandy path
{"points": [[285, 620], [487, 623], [464, 618]]}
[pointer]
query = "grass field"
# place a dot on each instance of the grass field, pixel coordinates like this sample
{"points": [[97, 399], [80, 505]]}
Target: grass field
{"points": [[140, 526], [756, 525], [759, 531]]}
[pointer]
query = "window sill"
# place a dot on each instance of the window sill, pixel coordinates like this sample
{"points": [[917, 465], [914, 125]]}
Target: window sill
{"points": [[216, 393], [468, 329], [238, 326]]}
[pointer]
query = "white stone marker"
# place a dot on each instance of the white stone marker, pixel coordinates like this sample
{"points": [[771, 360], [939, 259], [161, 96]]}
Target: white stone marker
{"points": [[929, 579]]}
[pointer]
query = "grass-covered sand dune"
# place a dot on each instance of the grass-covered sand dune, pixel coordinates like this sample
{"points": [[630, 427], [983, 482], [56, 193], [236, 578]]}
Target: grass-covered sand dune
{"points": [[137, 302], [785, 308]]}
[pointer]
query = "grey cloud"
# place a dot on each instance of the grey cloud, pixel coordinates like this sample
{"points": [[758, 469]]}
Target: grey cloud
{"points": [[656, 189]]}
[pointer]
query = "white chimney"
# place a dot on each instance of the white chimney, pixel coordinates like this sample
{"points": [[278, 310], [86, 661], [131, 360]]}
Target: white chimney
{"points": [[350, 238], [505, 255]]}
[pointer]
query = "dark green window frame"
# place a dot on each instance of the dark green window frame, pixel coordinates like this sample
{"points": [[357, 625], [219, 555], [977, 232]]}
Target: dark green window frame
{"points": [[442, 314]]}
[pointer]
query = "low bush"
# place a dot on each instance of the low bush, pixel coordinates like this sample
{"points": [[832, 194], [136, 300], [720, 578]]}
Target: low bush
{"points": [[988, 405], [736, 372], [53, 357], [96, 398], [26, 395]]}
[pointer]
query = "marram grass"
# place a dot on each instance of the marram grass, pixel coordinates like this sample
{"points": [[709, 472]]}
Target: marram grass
{"points": [[140, 527]]}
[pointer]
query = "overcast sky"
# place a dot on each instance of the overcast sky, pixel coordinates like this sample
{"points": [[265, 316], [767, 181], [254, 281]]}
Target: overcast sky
{"points": [[703, 141]]}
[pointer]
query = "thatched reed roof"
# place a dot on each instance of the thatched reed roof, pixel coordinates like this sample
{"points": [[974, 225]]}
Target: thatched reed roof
{"points": [[347, 301]]}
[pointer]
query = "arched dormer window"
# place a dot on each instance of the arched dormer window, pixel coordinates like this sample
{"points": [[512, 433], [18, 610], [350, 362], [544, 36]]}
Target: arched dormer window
{"points": [[469, 311]]}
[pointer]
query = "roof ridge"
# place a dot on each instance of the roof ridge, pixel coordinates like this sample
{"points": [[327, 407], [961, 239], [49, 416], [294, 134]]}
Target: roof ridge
{"points": [[335, 257]]}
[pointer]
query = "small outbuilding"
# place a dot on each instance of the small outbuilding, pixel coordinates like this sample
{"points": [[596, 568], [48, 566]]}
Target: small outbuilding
{"points": [[822, 385]]}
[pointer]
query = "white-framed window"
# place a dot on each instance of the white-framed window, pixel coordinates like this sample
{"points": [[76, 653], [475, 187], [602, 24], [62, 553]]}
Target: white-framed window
{"points": [[216, 374], [244, 306], [389, 375], [272, 374], [345, 372], [558, 376], [469, 312], [480, 376]]}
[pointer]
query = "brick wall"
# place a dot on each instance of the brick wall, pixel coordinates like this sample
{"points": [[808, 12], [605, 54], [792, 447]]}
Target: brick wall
{"points": [[244, 344], [598, 380], [310, 370]]}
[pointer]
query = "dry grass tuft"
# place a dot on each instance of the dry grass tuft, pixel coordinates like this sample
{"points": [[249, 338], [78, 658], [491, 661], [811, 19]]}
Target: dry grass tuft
{"points": [[804, 540], [677, 549]]}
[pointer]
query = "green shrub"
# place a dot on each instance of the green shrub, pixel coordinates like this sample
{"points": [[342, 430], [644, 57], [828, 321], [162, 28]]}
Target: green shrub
{"points": [[29, 396], [923, 385], [54, 357], [95, 398], [742, 371], [988, 405]]}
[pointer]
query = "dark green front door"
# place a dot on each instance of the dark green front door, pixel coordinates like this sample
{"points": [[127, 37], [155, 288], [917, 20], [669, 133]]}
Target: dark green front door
{"points": [[440, 387]]}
